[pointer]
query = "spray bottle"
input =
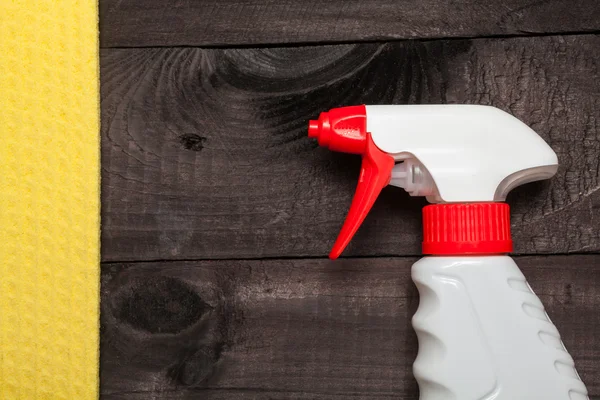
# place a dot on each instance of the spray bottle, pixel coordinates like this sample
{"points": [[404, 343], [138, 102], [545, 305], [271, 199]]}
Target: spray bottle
{"points": [[482, 331]]}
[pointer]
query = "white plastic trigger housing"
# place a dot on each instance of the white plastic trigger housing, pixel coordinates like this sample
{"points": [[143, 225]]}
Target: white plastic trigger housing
{"points": [[472, 153]]}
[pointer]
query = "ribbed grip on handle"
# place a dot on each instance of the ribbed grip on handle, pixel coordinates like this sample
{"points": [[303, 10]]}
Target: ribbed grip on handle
{"points": [[484, 334], [473, 228]]}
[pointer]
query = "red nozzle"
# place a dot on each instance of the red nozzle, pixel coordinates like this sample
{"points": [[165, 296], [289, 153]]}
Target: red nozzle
{"points": [[341, 129], [313, 129], [345, 130]]}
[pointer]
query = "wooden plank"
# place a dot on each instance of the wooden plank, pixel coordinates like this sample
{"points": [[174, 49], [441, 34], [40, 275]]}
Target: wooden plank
{"points": [[205, 153], [298, 328], [143, 23]]}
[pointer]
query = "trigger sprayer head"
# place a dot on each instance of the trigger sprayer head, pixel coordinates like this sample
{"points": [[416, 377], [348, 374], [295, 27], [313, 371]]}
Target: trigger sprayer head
{"points": [[448, 153], [345, 130]]}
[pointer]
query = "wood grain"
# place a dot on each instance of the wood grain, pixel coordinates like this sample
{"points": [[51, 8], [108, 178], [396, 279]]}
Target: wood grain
{"points": [[298, 328], [205, 154], [144, 23]]}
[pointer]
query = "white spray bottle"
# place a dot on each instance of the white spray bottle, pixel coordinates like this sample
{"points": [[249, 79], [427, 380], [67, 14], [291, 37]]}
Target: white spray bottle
{"points": [[483, 333]]}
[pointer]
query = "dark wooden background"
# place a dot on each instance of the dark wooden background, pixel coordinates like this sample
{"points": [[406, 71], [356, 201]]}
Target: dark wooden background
{"points": [[218, 212]]}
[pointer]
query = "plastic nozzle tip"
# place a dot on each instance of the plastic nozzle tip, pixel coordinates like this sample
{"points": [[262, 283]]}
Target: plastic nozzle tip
{"points": [[313, 129]]}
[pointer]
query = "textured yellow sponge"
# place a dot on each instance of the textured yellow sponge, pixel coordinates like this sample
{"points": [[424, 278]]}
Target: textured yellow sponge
{"points": [[49, 199]]}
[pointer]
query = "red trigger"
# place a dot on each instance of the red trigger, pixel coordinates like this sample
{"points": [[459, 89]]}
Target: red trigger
{"points": [[344, 129], [374, 176]]}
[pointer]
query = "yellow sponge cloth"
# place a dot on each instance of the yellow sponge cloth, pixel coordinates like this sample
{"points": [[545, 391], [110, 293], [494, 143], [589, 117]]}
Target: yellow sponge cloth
{"points": [[49, 199]]}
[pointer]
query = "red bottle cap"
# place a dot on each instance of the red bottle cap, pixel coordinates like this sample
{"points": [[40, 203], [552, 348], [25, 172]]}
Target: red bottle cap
{"points": [[473, 228]]}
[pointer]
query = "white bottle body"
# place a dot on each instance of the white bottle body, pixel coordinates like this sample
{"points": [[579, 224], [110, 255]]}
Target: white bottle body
{"points": [[484, 334]]}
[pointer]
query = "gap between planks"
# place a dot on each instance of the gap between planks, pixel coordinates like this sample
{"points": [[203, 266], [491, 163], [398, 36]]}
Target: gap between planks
{"points": [[343, 42], [292, 258]]}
